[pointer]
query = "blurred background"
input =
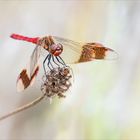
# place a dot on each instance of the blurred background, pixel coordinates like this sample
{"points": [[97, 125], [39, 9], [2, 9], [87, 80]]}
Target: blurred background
{"points": [[104, 101]]}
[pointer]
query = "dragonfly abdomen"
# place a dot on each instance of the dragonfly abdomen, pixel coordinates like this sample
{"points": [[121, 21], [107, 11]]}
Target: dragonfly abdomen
{"points": [[24, 38]]}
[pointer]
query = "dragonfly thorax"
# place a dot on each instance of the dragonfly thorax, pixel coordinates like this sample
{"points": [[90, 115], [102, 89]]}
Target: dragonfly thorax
{"points": [[48, 44]]}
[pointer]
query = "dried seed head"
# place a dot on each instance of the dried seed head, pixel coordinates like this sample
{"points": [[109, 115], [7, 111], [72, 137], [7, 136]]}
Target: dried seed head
{"points": [[56, 82]]}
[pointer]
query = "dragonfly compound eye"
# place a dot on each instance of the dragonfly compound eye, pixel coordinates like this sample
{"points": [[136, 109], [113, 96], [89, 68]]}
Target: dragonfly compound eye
{"points": [[57, 49]]}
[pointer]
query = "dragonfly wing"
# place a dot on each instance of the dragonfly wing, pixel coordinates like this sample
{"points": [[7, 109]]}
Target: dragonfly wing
{"points": [[75, 52], [28, 75], [93, 51], [76, 46], [71, 49], [34, 59]]}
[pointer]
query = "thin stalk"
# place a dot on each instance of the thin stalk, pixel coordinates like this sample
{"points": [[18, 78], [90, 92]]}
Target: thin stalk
{"points": [[24, 107]]}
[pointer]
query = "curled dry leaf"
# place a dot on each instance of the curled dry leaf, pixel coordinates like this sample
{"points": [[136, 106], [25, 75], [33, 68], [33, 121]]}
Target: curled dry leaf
{"points": [[56, 82]]}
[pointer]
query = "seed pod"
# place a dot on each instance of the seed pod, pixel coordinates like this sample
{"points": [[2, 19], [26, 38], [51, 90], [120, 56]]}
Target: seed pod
{"points": [[56, 82]]}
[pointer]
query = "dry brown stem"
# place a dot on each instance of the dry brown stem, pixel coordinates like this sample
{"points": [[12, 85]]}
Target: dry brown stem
{"points": [[24, 107]]}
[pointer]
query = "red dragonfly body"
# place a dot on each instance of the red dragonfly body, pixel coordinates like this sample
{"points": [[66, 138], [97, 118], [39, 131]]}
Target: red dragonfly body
{"points": [[56, 47], [46, 42]]}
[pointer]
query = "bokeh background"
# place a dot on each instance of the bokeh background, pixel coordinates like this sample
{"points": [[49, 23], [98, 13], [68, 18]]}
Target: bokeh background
{"points": [[104, 102]]}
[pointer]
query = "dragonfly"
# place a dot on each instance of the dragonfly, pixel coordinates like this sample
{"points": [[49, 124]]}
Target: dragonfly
{"points": [[58, 51]]}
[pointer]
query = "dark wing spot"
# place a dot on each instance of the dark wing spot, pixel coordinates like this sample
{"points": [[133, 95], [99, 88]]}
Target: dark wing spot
{"points": [[100, 52], [35, 73], [92, 51], [25, 78]]}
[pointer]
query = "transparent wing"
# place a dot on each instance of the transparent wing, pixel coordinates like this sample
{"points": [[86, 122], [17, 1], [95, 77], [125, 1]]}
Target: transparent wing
{"points": [[71, 49], [34, 59], [75, 46], [75, 52], [28, 75]]}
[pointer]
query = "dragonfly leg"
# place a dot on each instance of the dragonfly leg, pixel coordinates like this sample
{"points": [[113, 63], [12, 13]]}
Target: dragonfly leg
{"points": [[49, 62], [45, 62], [54, 61], [62, 61]]}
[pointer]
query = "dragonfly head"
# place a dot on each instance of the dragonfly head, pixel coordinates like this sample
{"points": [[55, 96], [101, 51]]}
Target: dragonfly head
{"points": [[56, 49]]}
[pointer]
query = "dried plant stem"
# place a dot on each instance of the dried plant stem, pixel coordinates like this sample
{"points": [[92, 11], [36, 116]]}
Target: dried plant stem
{"points": [[24, 107]]}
